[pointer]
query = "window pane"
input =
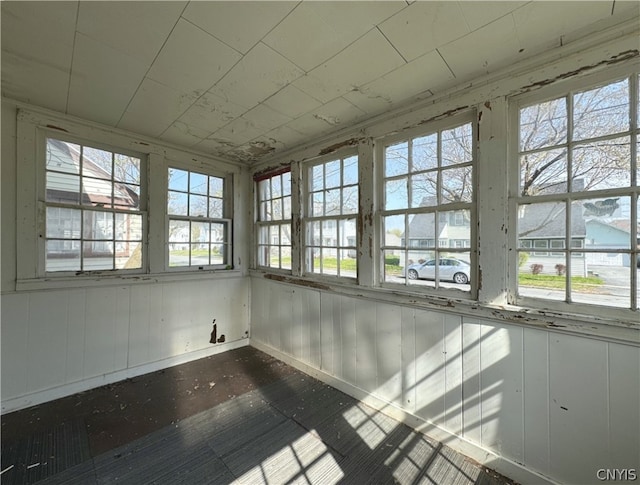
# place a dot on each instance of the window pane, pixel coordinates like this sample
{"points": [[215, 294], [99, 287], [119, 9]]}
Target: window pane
{"points": [[216, 187], [62, 156], [332, 203], [314, 234], [178, 179], [350, 171], [425, 153], [317, 204], [424, 190], [350, 200], [332, 174], [543, 125], [393, 269], [218, 232], [347, 262], [396, 160], [128, 255], [97, 255], [216, 208], [97, 225], [63, 223], [97, 163], [540, 222], [455, 232], [126, 197], [179, 254], [126, 169], [96, 192], [286, 183], [198, 205], [601, 111], [178, 203], [422, 231], [604, 164], [198, 183], [457, 145], [200, 254], [395, 193], [317, 178], [128, 227], [607, 221], [285, 261], [286, 214], [543, 172], [63, 188], [178, 231], [276, 186], [457, 185], [62, 255], [276, 205], [607, 281]]}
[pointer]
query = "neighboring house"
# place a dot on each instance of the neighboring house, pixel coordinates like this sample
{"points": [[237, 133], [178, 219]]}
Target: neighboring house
{"points": [[608, 234]]}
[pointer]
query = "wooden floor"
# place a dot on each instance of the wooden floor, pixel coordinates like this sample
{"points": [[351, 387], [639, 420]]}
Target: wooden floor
{"points": [[239, 417]]}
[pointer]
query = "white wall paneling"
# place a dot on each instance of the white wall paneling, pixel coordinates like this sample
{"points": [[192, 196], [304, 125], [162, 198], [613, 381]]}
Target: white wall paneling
{"points": [[533, 403]]}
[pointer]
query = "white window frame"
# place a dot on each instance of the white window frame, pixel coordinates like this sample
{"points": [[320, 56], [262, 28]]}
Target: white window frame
{"points": [[555, 91], [226, 221], [309, 218], [267, 223], [437, 288]]}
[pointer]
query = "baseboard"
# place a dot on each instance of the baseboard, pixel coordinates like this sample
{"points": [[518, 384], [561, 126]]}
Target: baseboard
{"points": [[486, 457], [39, 397]]}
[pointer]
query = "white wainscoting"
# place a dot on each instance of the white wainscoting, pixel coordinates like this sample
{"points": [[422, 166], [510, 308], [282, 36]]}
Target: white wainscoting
{"points": [[58, 342], [529, 402]]}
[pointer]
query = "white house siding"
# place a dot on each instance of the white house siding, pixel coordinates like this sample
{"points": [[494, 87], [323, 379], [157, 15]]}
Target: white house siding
{"points": [[558, 405]]}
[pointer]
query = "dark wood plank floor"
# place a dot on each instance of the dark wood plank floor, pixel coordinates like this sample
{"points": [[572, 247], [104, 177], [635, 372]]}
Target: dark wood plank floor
{"points": [[238, 417]]}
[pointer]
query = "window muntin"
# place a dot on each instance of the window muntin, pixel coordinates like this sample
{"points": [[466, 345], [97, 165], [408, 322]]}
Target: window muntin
{"points": [[578, 189], [198, 234], [428, 206], [274, 221], [94, 211], [330, 242]]}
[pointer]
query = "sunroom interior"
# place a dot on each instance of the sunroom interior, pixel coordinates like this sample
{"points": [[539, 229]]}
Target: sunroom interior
{"points": [[431, 207]]}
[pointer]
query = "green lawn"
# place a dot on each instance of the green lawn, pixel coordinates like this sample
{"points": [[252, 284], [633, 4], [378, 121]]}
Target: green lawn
{"points": [[578, 283]]}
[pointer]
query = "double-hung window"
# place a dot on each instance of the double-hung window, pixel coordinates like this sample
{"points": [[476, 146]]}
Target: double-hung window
{"points": [[332, 201], [428, 207], [199, 234], [95, 208], [577, 194], [274, 220]]}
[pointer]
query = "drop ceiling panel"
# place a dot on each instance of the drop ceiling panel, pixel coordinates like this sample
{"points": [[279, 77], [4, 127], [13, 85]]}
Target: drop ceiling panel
{"points": [[292, 102], [542, 26], [103, 81], [260, 74], [191, 60], [424, 26], [484, 50], [428, 72], [211, 112], [240, 25], [331, 116], [366, 59], [479, 14], [141, 27], [239, 131], [154, 108], [40, 31], [32, 82], [265, 117], [183, 134]]}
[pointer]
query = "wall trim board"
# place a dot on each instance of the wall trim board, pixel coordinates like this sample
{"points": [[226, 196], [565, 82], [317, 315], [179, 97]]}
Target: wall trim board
{"points": [[472, 450], [39, 397]]}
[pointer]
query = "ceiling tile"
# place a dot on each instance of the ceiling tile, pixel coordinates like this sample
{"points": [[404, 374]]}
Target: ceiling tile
{"points": [[239, 131], [484, 50], [240, 25], [366, 59], [260, 74], [265, 118], [103, 81], [154, 108], [478, 14], [428, 72], [33, 82], [423, 27], [40, 31], [100, 20], [292, 102], [211, 112], [192, 60], [540, 26], [331, 116], [283, 137], [327, 28], [183, 134]]}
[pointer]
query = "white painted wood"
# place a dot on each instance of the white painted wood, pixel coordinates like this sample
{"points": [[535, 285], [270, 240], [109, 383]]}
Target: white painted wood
{"points": [[14, 344], [536, 399], [389, 352], [472, 380], [453, 410], [75, 335], [578, 408], [366, 366], [430, 364], [328, 345], [348, 338], [284, 320], [408, 356], [624, 406]]}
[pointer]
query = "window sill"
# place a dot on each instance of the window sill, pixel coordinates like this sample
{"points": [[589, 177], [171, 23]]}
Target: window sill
{"points": [[93, 280], [614, 330]]}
